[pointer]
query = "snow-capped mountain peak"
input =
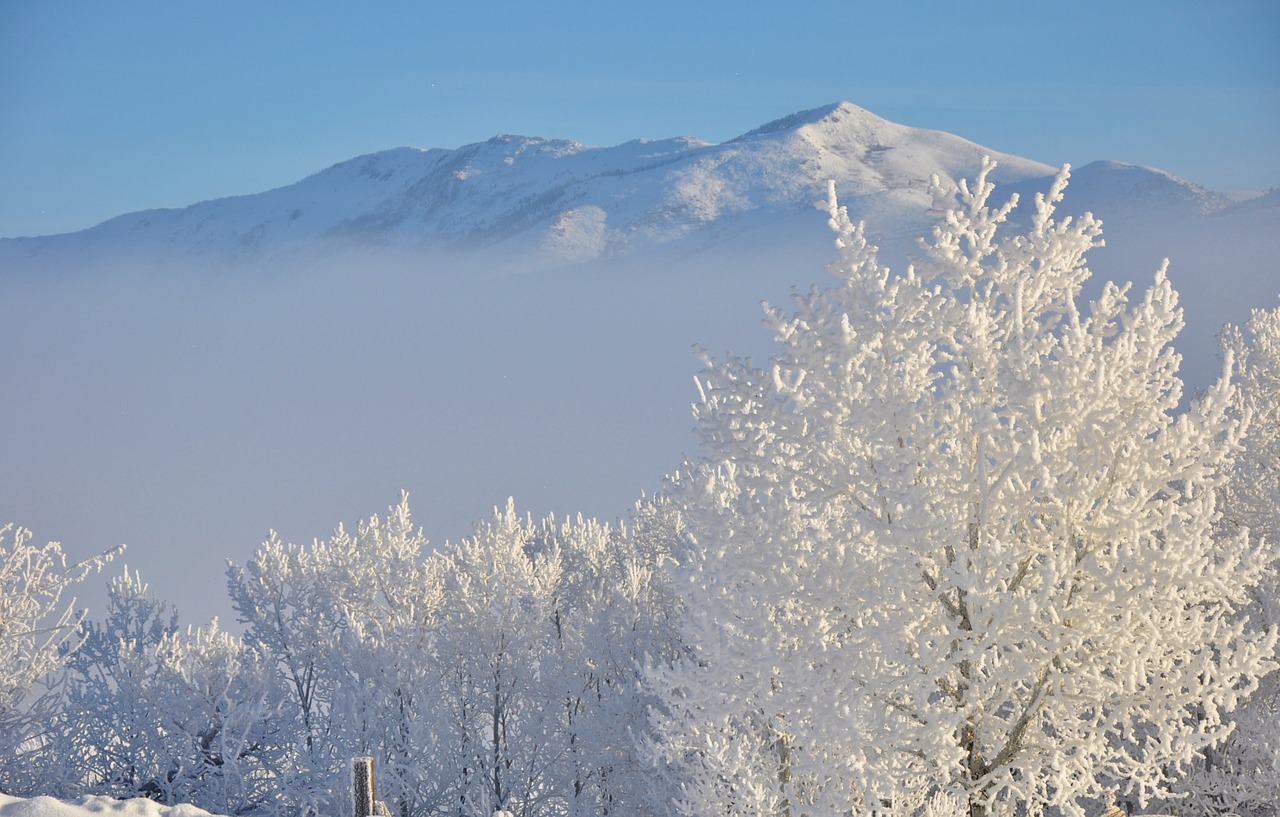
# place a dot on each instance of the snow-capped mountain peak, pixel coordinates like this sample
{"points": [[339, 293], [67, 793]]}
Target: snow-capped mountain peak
{"points": [[835, 114]]}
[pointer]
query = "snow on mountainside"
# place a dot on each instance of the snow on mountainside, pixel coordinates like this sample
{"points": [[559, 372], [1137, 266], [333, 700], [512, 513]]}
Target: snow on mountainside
{"points": [[549, 202], [361, 337], [1127, 194], [1269, 201]]}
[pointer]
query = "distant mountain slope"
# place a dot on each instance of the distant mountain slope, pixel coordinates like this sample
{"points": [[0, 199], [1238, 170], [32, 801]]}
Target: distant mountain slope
{"points": [[549, 202], [1128, 195]]}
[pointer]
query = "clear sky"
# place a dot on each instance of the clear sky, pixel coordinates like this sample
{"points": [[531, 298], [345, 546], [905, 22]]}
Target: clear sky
{"points": [[110, 107]]}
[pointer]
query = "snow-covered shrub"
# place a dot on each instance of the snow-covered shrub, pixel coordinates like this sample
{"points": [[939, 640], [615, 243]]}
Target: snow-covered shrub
{"points": [[109, 737], [36, 634], [218, 702], [177, 716]]}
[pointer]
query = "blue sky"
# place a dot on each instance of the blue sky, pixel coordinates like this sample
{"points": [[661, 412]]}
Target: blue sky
{"points": [[112, 107]]}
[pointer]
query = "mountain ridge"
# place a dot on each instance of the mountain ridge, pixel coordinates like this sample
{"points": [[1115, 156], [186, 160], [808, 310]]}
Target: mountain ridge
{"points": [[527, 203], [532, 192], [790, 159]]}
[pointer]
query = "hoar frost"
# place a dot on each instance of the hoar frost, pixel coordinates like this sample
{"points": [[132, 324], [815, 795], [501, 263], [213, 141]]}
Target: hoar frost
{"points": [[956, 539]]}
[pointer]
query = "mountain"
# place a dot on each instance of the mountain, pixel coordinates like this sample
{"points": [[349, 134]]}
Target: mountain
{"points": [[510, 318], [529, 203]]}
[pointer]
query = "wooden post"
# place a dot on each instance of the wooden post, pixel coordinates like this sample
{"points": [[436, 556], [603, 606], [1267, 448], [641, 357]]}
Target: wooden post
{"points": [[362, 786]]}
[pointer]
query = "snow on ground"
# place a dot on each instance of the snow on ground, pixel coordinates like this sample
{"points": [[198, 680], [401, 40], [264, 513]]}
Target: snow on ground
{"points": [[92, 806]]}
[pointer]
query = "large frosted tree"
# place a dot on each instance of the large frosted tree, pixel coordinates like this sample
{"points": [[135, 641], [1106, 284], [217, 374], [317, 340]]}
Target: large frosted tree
{"points": [[957, 540]]}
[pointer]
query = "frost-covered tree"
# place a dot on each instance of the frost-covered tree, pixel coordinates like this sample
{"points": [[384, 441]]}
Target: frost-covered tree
{"points": [[36, 634], [501, 672], [217, 702], [176, 716], [546, 628], [347, 622], [1243, 775], [108, 738], [502, 687], [956, 538]]}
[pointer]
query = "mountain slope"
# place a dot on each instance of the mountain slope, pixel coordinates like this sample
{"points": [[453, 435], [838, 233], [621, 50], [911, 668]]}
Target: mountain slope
{"points": [[550, 202], [1127, 195]]}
